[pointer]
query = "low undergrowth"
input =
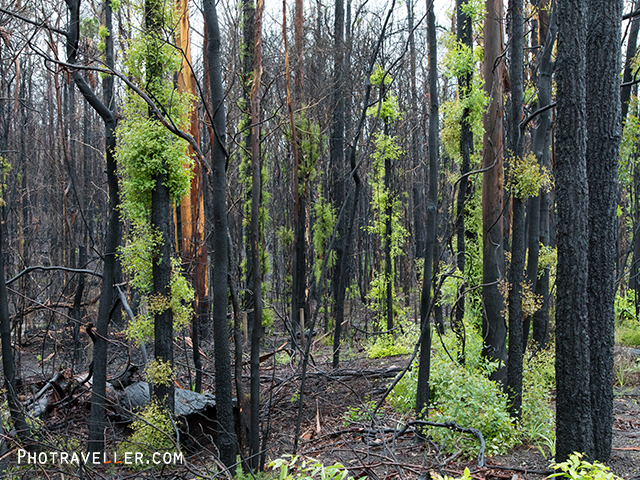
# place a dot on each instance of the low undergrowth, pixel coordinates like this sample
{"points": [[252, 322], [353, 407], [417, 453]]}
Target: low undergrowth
{"points": [[466, 395]]}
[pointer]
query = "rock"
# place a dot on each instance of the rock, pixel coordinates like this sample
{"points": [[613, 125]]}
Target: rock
{"points": [[187, 403]]}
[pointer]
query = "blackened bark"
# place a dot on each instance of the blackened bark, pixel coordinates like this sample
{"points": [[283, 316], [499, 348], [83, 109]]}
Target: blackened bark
{"points": [[494, 330], [256, 187], [336, 152], [388, 269], [224, 406], [299, 263], [424, 366], [417, 164], [574, 425], [632, 45], [541, 144], [514, 362], [603, 142], [464, 33], [163, 392], [15, 408], [105, 109], [163, 321]]}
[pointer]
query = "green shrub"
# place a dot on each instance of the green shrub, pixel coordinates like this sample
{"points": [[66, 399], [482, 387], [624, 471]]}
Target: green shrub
{"points": [[537, 423], [463, 394], [577, 469], [306, 468], [630, 337], [386, 346], [153, 431]]}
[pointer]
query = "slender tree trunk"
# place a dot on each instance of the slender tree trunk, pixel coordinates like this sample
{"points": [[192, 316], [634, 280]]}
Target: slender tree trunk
{"points": [[161, 222], [541, 144], [464, 34], [422, 390], [194, 247], [514, 364], [336, 152], [603, 142], [388, 266], [105, 109], [256, 331], [574, 424], [494, 329], [15, 408], [632, 47], [224, 406]]}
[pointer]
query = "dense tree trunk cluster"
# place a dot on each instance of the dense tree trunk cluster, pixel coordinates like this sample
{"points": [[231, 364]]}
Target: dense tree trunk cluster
{"points": [[349, 181]]}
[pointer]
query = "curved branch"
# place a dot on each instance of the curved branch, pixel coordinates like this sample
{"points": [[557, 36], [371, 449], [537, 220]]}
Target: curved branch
{"points": [[64, 269]]}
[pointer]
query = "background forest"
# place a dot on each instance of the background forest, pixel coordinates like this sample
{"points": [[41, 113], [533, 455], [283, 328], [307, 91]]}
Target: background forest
{"points": [[354, 223]]}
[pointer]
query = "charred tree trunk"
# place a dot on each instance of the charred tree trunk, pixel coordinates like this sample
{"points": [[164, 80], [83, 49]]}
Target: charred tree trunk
{"points": [[541, 144], [603, 142], [422, 390], [514, 363], [336, 152], [105, 109], [464, 33], [224, 406], [256, 181], [574, 424], [161, 222]]}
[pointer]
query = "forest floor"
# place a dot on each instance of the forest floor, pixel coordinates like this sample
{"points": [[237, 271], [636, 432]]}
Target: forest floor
{"points": [[334, 426]]}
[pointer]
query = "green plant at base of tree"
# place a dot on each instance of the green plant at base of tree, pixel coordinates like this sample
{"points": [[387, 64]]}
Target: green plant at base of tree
{"points": [[575, 468]]}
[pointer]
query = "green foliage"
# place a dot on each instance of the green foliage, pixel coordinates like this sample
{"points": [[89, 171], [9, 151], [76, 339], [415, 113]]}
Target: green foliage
{"points": [[379, 76], [450, 286], [360, 414], [475, 10], [137, 255], [537, 424], [466, 395], [628, 159], [458, 61], [528, 177], [624, 306], [153, 431], [466, 475], [386, 345], [547, 258], [325, 220], [575, 468], [388, 108], [89, 28], [159, 372], [387, 208], [180, 302], [145, 150], [5, 168], [306, 468], [285, 234], [630, 338]]}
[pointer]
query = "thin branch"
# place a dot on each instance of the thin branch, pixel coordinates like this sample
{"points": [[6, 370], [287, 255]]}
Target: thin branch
{"points": [[64, 269], [41, 24]]}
